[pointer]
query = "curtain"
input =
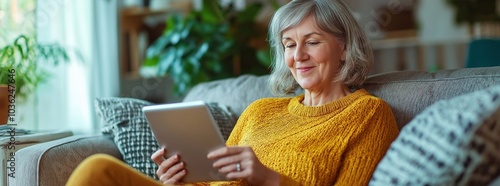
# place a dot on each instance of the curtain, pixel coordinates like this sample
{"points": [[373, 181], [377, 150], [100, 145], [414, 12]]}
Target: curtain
{"points": [[88, 31]]}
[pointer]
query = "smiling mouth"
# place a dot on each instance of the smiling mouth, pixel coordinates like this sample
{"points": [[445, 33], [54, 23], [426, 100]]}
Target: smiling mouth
{"points": [[304, 69]]}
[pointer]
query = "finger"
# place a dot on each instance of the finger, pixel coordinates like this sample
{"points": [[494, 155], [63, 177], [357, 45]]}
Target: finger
{"points": [[229, 168], [236, 175], [175, 179], [227, 161], [171, 171], [157, 157], [223, 151], [167, 164], [243, 173]]}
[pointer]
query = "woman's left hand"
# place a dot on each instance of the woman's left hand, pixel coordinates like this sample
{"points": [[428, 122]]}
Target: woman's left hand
{"points": [[241, 163]]}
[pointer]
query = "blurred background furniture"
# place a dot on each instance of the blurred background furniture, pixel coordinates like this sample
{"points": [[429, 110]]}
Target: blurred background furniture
{"points": [[483, 52]]}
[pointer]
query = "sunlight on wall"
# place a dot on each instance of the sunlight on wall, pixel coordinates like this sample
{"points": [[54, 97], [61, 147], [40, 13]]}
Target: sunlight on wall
{"points": [[16, 17]]}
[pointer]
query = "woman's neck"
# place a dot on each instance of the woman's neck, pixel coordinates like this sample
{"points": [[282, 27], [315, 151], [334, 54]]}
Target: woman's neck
{"points": [[321, 97]]}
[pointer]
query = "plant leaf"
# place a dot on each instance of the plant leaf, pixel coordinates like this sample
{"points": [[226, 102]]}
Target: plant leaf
{"points": [[157, 46], [177, 67], [166, 61], [201, 50], [250, 13], [152, 61], [175, 37], [195, 63], [22, 45], [264, 57], [211, 12]]}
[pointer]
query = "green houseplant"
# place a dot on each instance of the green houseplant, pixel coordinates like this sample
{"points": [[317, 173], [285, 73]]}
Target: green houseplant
{"points": [[472, 11], [22, 55], [212, 43], [20, 74]]}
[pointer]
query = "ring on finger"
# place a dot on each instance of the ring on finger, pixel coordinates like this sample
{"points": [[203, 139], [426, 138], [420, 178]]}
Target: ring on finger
{"points": [[238, 167]]}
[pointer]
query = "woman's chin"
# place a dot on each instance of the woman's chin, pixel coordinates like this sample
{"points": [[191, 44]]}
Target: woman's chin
{"points": [[306, 86]]}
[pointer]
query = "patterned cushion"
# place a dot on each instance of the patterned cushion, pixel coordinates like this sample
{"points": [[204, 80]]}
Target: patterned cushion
{"points": [[452, 142], [123, 118]]}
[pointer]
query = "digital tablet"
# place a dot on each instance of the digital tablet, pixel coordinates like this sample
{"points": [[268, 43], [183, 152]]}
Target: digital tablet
{"points": [[187, 129]]}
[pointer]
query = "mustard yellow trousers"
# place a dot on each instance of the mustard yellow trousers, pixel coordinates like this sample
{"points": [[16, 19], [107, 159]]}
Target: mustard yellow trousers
{"points": [[102, 169]]}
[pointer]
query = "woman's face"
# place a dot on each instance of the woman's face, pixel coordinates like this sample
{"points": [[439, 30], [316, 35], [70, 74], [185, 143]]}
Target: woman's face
{"points": [[312, 55]]}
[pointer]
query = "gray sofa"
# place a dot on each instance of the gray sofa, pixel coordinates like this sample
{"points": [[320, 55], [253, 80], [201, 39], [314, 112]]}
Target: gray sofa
{"points": [[407, 92]]}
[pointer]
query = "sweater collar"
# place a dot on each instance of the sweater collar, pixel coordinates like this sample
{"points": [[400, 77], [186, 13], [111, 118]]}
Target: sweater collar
{"points": [[297, 108]]}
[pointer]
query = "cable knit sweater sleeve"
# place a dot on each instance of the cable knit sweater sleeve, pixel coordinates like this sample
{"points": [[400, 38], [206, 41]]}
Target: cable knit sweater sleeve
{"points": [[237, 133], [368, 145]]}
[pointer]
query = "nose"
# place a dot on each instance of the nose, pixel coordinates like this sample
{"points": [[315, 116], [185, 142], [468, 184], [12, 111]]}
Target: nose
{"points": [[300, 54]]}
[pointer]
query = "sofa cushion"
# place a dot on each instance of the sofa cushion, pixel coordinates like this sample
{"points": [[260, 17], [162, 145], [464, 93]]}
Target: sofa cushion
{"points": [[237, 93], [453, 142], [124, 119], [410, 92]]}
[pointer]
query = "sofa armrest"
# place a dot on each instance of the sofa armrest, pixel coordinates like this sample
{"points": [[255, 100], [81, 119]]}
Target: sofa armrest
{"points": [[51, 163]]}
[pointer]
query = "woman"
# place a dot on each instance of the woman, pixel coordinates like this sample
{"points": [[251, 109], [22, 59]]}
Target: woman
{"points": [[333, 134]]}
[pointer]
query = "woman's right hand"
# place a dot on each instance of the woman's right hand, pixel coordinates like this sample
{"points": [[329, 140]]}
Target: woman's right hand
{"points": [[170, 170]]}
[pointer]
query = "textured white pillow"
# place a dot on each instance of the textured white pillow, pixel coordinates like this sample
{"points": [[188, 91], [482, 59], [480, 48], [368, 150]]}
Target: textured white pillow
{"points": [[452, 142]]}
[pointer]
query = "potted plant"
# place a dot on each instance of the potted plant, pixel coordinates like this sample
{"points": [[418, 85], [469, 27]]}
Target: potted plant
{"points": [[212, 43], [476, 11], [472, 11], [20, 74]]}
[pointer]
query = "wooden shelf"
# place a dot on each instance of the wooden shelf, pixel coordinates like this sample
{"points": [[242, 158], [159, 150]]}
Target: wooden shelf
{"points": [[132, 24]]}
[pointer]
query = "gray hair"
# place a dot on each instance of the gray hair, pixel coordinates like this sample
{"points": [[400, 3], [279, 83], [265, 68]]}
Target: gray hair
{"points": [[332, 16]]}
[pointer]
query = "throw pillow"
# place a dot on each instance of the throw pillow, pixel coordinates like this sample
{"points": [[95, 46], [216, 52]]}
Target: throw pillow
{"points": [[124, 120], [452, 142]]}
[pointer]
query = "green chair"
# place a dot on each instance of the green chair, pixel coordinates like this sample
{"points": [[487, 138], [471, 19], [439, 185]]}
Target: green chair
{"points": [[483, 53]]}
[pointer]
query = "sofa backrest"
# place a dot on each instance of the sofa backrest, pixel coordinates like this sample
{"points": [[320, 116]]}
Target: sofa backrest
{"points": [[407, 92], [237, 93], [410, 92]]}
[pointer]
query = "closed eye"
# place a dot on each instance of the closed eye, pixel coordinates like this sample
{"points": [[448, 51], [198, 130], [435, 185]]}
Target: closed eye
{"points": [[289, 45], [313, 43]]}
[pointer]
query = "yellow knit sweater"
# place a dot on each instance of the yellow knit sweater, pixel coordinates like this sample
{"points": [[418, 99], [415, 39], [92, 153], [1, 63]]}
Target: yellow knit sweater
{"points": [[339, 143]]}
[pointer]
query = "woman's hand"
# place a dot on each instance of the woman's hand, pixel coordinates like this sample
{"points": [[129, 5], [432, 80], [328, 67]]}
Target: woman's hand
{"points": [[170, 170], [241, 163]]}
